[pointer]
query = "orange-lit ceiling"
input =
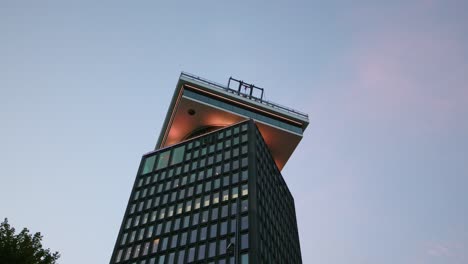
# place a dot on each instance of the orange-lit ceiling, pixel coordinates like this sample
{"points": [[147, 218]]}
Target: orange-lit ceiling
{"points": [[280, 142]]}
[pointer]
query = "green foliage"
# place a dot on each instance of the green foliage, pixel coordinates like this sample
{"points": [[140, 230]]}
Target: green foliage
{"points": [[23, 248]]}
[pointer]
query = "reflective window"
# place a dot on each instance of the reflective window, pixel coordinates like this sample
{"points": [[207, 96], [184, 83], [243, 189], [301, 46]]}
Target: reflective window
{"points": [[203, 233], [163, 160], [180, 258], [183, 239], [213, 230], [225, 195], [245, 222], [137, 251], [119, 256], [223, 227], [178, 155], [148, 164], [191, 254], [245, 258], [245, 241], [161, 259], [224, 211], [193, 236], [155, 245], [235, 194], [212, 249], [245, 190], [171, 258], [173, 242], [201, 252]]}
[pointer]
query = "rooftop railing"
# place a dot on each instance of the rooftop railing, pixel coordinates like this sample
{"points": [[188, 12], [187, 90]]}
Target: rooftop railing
{"points": [[259, 100]]}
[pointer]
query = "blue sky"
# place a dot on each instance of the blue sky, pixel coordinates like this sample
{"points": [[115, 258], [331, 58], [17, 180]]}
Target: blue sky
{"points": [[381, 175]]}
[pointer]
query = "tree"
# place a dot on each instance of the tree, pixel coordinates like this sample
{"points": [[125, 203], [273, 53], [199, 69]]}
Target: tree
{"points": [[23, 248]]}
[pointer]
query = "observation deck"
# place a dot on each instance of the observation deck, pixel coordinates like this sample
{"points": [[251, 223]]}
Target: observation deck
{"points": [[200, 106]]}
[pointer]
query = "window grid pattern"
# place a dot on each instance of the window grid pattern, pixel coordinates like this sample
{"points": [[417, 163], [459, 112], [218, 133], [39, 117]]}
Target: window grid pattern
{"points": [[279, 239], [187, 207]]}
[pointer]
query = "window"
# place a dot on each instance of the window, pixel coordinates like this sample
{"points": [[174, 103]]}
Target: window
{"points": [[245, 190], [214, 213], [146, 248], [137, 251], [193, 236], [206, 201], [213, 230], [173, 242], [150, 232], [245, 241], [178, 155], [183, 238], [161, 259], [188, 206], [171, 258], [129, 252], [222, 246], [195, 219], [224, 210], [201, 252], [124, 238], [245, 222], [245, 258], [167, 229], [164, 243], [119, 256], [191, 254], [148, 164], [244, 205], [235, 191], [163, 160], [155, 245], [223, 228], [225, 195], [205, 216], [203, 233], [216, 198], [212, 249]]}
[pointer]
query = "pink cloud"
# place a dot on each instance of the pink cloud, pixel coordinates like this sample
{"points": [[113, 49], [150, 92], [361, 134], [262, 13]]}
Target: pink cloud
{"points": [[408, 70]]}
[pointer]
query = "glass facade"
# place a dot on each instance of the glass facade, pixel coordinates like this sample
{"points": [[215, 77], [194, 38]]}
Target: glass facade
{"points": [[216, 198]]}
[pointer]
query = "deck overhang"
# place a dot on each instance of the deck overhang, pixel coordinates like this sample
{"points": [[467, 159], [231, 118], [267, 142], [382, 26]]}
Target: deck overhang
{"points": [[198, 103]]}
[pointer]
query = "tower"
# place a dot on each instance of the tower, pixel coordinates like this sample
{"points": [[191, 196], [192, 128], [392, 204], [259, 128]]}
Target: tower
{"points": [[212, 190]]}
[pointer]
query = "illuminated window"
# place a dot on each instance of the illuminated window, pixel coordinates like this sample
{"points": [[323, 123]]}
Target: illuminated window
{"points": [[155, 245], [206, 201], [201, 252], [235, 193], [216, 198], [225, 195], [245, 190]]}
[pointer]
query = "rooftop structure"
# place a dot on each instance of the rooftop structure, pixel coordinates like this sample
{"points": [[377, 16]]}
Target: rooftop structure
{"points": [[199, 106]]}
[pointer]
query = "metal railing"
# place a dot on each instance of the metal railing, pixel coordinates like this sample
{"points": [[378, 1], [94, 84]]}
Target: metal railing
{"points": [[259, 100]]}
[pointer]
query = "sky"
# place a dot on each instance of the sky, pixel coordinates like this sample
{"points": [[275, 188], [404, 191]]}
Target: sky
{"points": [[381, 175]]}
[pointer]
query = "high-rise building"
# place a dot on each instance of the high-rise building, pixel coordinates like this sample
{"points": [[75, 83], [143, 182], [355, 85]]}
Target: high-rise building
{"points": [[212, 190]]}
